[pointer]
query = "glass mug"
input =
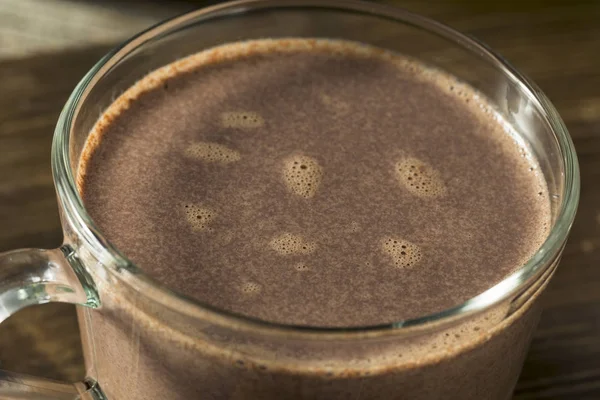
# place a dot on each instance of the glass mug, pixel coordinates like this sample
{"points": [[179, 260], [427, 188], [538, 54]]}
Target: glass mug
{"points": [[142, 341]]}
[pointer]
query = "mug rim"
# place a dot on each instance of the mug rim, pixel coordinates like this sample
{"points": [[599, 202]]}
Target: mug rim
{"points": [[74, 211]]}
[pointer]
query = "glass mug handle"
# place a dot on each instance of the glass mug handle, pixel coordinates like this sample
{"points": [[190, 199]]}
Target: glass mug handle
{"points": [[33, 276]]}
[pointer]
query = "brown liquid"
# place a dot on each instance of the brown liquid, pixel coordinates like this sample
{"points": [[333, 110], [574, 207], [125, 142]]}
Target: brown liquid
{"points": [[311, 183]]}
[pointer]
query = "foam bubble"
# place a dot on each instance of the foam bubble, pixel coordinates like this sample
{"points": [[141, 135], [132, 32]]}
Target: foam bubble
{"points": [[354, 227], [301, 267], [420, 178], [199, 216], [288, 244], [302, 175], [212, 152], [241, 119], [251, 288], [403, 253]]}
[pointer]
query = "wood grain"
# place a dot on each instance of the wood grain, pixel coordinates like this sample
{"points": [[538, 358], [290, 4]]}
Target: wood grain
{"points": [[41, 340], [558, 46]]}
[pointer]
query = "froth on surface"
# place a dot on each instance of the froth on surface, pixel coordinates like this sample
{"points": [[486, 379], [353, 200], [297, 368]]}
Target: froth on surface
{"points": [[212, 152], [358, 151], [420, 178], [251, 288], [288, 244], [242, 119], [302, 175], [199, 216], [403, 253], [301, 267], [354, 227]]}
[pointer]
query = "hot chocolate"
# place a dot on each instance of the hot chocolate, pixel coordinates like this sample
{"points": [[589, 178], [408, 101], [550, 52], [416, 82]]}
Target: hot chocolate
{"points": [[310, 182]]}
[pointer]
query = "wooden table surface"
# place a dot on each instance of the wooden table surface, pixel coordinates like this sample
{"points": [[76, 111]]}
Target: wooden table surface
{"points": [[558, 46]]}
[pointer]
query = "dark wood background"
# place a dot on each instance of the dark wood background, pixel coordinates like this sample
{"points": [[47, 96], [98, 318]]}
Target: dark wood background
{"points": [[555, 42]]}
